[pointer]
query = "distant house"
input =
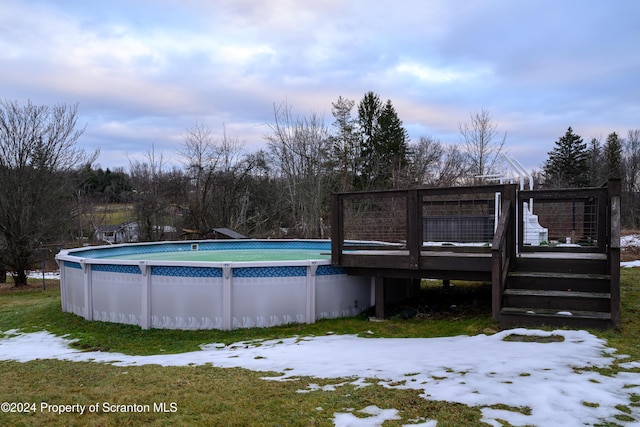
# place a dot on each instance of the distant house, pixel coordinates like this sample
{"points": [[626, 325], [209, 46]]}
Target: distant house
{"points": [[121, 233], [165, 232]]}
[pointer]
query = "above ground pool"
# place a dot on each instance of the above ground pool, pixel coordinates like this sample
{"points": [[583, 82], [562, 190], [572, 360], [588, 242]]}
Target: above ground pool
{"points": [[210, 284]]}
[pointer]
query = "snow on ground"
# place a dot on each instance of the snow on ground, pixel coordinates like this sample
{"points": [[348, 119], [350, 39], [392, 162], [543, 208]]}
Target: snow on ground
{"points": [[630, 241], [628, 264], [550, 378], [35, 274]]}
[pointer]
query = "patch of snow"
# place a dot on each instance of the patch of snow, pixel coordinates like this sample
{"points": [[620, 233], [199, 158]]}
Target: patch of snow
{"points": [[630, 365], [553, 379], [630, 240], [37, 274], [376, 417]]}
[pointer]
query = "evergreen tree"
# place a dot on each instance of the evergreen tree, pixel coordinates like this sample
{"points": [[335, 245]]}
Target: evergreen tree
{"points": [[613, 156], [568, 163], [369, 110], [383, 147], [391, 143], [595, 162]]}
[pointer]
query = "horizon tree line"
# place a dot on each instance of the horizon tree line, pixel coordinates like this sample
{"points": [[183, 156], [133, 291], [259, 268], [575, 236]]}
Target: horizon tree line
{"points": [[53, 188]]}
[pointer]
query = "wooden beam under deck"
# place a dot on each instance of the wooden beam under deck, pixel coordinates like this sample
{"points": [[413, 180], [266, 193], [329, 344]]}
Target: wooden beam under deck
{"points": [[433, 265]]}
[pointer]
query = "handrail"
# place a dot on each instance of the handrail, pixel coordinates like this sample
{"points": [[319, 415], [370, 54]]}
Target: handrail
{"points": [[500, 257], [499, 236]]}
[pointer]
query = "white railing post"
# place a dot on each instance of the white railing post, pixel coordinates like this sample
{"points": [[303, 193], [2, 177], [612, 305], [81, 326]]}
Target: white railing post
{"points": [[227, 276], [145, 295], [312, 268], [88, 291]]}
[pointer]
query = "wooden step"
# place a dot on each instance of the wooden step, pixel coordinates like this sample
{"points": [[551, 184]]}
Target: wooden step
{"points": [[558, 300], [513, 316], [562, 262], [554, 281]]}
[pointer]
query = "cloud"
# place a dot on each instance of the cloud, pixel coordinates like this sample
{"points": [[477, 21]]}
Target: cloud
{"points": [[537, 66], [432, 75]]}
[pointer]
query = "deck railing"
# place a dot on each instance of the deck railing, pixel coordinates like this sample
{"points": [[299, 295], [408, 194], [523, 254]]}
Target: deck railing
{"points": [[502, 253], [574, 220], [449, 233], [416, 220], [578, 220]]}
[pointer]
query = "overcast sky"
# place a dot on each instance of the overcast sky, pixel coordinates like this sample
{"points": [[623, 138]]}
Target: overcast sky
{"points": [[143, 72]]}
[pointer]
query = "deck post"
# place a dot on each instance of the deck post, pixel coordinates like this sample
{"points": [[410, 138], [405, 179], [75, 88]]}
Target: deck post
{"points": [[337, 231], [502, 250], [509, 193], [414, 236], [614, 190], [379, 281]]}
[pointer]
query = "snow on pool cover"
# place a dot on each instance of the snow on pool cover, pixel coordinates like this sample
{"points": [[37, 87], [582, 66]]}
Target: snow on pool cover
{"points": [[554, 379]]}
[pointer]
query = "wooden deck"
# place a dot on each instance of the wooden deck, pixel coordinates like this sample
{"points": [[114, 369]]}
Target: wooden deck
{"points": [[572, 279], [432, 264]]}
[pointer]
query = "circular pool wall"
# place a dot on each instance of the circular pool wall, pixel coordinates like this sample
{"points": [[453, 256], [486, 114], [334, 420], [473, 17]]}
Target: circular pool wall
{"points": [[211, 284]]}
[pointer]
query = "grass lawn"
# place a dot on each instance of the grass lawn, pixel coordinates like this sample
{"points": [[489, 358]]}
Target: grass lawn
{"points": [[204, 395]]}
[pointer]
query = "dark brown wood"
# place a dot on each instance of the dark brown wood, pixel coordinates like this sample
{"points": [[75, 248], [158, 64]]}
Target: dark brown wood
{"points": [[530, 284], [414, 235], [336, 229], [510, 317], [563, 262], [603, 226], [567, 301], [379, 289], [614, 190], [473, 276], [563, 194], [500, 257], [509, 193], [472, 262], [615, 287]]}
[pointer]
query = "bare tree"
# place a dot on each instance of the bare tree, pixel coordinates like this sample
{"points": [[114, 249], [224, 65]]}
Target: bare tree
{"points": [[300, 147], [218, 171], [433, 164], [37, 155], [632, 160], [482, 143], [200, 155], [631, 178], [234, 176], [150, 205], [345, 142]]}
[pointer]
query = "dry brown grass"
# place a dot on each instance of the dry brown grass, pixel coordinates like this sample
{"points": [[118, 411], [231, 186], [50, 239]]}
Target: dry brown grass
{"points": [[630, 253]]}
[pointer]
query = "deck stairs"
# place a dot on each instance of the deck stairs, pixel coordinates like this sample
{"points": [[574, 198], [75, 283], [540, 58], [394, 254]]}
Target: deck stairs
{"points": [[558, 289], [570, 280]]}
